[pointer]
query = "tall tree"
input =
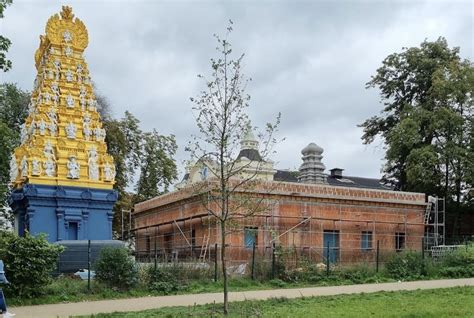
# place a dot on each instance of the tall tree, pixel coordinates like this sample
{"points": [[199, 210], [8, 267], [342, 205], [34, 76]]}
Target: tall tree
{"points": [[222, 120], [427, 120], [5, 64], [13, 111], [157, 169]]}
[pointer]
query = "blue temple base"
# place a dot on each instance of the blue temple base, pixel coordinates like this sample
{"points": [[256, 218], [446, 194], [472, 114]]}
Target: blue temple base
{"points": [[63, 213]]}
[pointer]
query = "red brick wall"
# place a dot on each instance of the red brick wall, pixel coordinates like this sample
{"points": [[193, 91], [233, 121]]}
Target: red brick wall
{"points": [[348, 210]]}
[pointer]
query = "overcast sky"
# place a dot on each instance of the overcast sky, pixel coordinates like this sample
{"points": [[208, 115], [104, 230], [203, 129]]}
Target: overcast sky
{"points": [[309, 60]]}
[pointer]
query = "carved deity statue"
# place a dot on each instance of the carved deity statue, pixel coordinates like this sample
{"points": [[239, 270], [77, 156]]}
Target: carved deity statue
{"points": [[86, 127], [35, 167], [71, 130], [24, 167], [73, 168], [69, 101], [99, 134], [41, 126], [93, 165], [69, 76], [109, 172], [68, 51]]}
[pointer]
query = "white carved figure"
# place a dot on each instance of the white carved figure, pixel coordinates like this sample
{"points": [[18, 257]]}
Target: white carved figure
{"points": [[67, 36], [55, 89], [68, 51], [87, 80], [13, 168], [35, 167], [51, 50], [49, 150], [99, 134], [41, 126], [69, 76], [86, 126], [92, 104], [73, 168], [70, 101], [50, 167], [52, 114], [79, 68], [93, 166], [71, 130], [47, 97], [53, 128], [38, 98], [50, 74], [24, 167], [23, 133], [57, 66], [109, 172]]}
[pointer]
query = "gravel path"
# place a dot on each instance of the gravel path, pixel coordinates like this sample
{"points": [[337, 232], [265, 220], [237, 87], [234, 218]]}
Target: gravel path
{"points": [[143, 303]]}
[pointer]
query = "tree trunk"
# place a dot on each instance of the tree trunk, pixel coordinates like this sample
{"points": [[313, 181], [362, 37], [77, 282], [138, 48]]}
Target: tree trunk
{"points": [[224, 268]]}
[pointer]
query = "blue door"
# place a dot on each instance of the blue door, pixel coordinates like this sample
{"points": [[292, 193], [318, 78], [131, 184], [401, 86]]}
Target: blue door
{"points": [[72, 231], [331, 241]]}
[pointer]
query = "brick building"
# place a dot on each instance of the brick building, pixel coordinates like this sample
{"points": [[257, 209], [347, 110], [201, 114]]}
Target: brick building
{"points": [[306, 212]]}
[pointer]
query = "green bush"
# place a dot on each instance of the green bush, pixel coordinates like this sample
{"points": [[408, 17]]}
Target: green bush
{"points": [[115, 268], [163, 280], [29, 262], [459, 263], [406, 265]]}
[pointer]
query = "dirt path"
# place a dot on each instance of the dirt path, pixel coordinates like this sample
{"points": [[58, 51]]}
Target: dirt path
{"points": [[143, 303]]}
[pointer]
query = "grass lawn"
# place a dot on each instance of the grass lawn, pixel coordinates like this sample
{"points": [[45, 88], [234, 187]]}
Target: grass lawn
{"points": [[449, 302]]}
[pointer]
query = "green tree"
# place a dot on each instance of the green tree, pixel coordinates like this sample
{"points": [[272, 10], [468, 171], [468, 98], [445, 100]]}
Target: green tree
{"points": [[13, 111], [134, 151], [157, 169], [222, 120], [5, 43], [427, 121]]}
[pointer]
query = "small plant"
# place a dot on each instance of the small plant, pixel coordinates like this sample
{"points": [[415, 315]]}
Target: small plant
{"points": [[407, 265], [29, 261], [163, 280], [115, 268]]}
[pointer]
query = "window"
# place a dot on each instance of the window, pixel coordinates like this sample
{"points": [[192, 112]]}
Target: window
{"points": [[250, 236], [399, 241], [366, 240]]}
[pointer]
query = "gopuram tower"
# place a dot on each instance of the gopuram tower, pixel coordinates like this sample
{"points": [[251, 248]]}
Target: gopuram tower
{"points": [[61, 174]]}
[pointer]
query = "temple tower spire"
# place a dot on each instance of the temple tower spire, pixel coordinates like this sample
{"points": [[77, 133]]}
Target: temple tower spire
{"points": [[61, 174]]}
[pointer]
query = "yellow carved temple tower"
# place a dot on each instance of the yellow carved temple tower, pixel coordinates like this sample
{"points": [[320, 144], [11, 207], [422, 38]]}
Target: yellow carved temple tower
{"points": [[63, 156]]}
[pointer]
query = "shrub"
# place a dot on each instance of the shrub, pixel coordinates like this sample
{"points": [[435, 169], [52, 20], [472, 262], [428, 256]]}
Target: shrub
{"points": [[115, 268], [406, 265], [163, 280], [29, 261], [459, 263]]}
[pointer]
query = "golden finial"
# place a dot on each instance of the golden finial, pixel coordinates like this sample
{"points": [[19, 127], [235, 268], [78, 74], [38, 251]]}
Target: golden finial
{"points": [[66, 13]]}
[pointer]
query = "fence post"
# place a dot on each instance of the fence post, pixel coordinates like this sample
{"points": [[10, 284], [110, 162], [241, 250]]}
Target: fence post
{"points": [[89, 265], [377, 255], [156, 256], [422, 248], [327, 261], [273, 260], [253, 262], [215, 262]]}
